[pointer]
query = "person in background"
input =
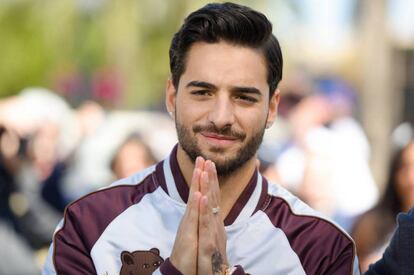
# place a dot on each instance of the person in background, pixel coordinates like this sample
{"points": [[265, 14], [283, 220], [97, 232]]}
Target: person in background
{"points": [[327, 143], [373, 229], [16, 247], [36, 136], [132, 155], [398, 256]]}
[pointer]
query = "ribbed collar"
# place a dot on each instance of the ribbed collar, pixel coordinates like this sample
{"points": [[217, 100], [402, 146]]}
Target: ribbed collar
{"points": [[171, 179]]}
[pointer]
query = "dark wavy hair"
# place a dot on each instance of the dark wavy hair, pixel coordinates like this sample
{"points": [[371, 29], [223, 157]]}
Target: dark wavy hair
{"points": [[232, 23], [382, 216], [391, 200]]}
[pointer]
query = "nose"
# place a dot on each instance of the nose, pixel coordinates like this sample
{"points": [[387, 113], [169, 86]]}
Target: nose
{"points": [[222, 113]]}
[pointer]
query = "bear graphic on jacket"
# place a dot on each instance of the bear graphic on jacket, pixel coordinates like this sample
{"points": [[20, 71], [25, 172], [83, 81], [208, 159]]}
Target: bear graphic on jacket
{"points": [[142, 262]]}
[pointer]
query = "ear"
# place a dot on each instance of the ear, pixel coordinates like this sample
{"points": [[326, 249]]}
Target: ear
{"points": [[127, 258], [170, 96], [273, 104], [155, 251]]}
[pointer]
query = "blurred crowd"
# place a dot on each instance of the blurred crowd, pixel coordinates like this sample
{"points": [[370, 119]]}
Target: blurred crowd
{"points": [[52, 153]]}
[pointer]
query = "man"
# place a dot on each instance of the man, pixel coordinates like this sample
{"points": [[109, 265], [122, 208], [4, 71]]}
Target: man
{"points": [[206, 209]]}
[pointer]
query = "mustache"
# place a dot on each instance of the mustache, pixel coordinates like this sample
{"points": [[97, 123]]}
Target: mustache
{"points": [[224, 131]]}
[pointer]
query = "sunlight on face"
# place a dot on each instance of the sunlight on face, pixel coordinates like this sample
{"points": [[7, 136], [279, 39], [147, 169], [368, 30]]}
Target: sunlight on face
{"points": [[222, 104]]}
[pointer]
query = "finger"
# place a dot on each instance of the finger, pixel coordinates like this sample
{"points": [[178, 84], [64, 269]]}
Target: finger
{"points": [[206, 241], [207, 218], [190, 222], [199, 163], [190, 218], [195, 180], [191, 215], [206, 236], [205, 212], [184, 252], [206, 227], [220, 233], [193, 210], [204, 183], [214, 183], [194, 185]]}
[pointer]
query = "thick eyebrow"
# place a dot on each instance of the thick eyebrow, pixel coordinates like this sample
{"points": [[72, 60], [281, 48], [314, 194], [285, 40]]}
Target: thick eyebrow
{"points": [[201, 84], [247, 90], [235, 89]]}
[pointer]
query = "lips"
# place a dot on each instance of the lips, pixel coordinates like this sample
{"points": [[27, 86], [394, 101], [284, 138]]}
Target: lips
{"points": [[216, 140], [219, 137]]}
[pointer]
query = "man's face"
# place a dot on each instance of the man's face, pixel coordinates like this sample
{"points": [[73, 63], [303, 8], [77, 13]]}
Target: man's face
{"points": [[222, 106]]}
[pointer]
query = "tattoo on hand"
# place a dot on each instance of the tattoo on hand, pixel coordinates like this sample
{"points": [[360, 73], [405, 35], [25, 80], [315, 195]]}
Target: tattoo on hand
{"points": [[216, 262]]}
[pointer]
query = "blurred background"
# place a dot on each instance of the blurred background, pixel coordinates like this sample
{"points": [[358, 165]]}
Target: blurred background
{"points": [[82, 104]]}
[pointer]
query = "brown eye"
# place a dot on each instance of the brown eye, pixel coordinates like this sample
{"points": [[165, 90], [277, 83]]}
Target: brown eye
{"points": [[247, 99], [146, 266], [201, 93]]}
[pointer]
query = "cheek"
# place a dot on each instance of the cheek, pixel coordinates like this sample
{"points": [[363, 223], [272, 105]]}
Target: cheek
{"points": [[405, 182], [252, 120], [400, 181], [190, 112]]}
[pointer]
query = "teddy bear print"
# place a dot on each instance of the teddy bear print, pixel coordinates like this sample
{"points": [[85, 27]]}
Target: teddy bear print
{"points": [[142, 262]]}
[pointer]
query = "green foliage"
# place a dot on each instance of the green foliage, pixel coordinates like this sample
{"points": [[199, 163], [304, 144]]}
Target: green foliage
{"points": [[49, 42], [23, 55]]}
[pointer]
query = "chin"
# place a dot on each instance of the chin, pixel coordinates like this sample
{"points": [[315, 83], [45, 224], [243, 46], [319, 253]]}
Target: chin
{"points": [[217, 154]]}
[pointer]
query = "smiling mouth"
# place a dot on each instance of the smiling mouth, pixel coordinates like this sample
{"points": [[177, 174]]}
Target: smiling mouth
{"points": [[217, 140], [218, 137]]}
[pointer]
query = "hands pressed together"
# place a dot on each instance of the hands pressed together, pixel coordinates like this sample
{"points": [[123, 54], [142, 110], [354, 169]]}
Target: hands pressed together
{"points": [[200, 244]]}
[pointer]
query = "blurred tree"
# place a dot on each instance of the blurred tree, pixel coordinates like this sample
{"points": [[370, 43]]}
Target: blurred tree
{"points": [[24, 57], [138, 34], [115, 52]]}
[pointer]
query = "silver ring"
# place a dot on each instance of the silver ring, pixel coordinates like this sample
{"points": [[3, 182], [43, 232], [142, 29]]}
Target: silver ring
{"points": [[215, 210]]}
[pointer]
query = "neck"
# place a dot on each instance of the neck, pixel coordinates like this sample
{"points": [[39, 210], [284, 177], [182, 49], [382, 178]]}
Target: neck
{"points": [[407, 204], [231, 186]]}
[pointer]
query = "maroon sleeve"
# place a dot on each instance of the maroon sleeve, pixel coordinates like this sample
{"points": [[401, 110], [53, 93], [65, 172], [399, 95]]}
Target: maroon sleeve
{"points": [[86, 219], [167, 268], [343, 263], [238, 271], [322, 247], [70, 253]]}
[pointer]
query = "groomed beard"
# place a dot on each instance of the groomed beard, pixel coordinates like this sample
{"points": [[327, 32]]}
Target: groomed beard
{"points": [[230, 164]]}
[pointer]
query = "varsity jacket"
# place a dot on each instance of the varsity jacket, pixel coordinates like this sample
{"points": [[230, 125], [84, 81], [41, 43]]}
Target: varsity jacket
{"points": [[130, 228]]}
